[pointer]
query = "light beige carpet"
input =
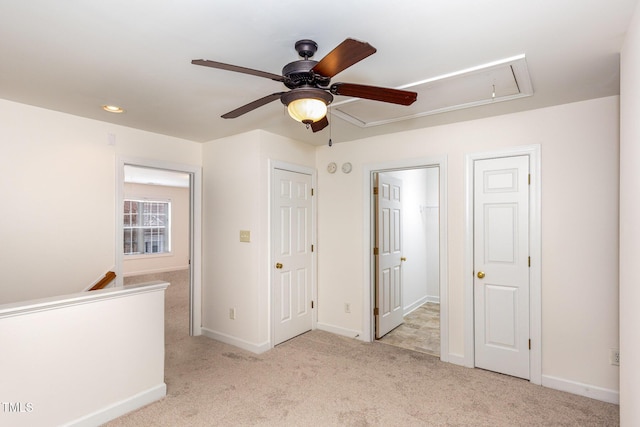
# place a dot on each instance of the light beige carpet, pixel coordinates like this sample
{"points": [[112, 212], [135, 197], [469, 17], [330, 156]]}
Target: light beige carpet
{"points": [[321, 379]]}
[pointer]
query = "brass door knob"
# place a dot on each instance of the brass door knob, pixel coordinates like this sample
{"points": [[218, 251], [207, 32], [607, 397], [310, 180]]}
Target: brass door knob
{"points": [[404, 258], [480, 274], [278, 265]]}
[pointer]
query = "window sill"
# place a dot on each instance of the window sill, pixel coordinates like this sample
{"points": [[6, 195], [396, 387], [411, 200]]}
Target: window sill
{"points": [[147, 256]]}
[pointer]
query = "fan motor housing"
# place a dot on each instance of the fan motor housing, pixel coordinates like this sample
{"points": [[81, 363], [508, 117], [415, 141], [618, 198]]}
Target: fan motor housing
{"points": [[298, 74]]}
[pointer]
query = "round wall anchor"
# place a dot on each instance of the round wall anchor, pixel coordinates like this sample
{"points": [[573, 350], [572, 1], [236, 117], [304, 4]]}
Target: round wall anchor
{"points": [[332, 167], [346, 168]]}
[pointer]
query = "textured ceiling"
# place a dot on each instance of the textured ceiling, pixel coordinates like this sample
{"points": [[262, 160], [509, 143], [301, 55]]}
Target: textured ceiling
{"points": [[77, 55]]}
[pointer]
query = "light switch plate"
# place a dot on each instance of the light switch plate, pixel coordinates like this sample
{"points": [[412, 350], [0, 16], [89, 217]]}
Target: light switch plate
{"points": [[245, 236]]}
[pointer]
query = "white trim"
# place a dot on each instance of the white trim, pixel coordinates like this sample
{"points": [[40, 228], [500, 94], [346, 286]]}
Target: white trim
{"points": [[137, 256], [54, 303], [156, 270], [415, 305], [236, 342], [586, 390], [350, 333], [457, 359], [368, 328], [195, 201], [121, 408], [517, 65], [535, 236], [291, 167]]}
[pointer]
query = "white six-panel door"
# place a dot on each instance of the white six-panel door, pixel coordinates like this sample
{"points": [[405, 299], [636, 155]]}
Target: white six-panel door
{"points": [[292, 255], [501, 265], [389, 259]]}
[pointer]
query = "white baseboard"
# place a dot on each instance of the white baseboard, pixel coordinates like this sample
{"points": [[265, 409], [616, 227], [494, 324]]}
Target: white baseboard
{"points": [[351, 333], [236, 342], [433, 299], [414, 305], [121, 408], [429, 298], [155, 271], [594, 392]]}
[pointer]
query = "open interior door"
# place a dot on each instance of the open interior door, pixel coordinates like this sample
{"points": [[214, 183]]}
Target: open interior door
{"points": [[388, 253]]}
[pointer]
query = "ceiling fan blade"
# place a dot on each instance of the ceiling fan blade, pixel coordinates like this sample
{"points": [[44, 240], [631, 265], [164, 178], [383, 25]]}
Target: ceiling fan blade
{"points": [[252, 106], [238, 69], [320, 124], [394, 96], [342, 57]]}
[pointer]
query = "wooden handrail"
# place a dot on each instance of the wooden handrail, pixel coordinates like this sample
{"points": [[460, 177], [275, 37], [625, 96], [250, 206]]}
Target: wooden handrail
{"points": [[108, 277]]}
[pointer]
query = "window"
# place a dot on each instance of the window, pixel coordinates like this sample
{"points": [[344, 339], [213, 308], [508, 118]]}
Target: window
{"points": [[146, 227]]}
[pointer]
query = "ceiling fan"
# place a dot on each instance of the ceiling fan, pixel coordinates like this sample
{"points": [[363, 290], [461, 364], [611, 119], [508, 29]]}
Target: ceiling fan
{"points": [[310, 85]]}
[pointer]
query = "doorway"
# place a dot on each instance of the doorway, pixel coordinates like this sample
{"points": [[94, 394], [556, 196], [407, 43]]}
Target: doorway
{"points": [[424, 247], [143, 182], [417, 282]]}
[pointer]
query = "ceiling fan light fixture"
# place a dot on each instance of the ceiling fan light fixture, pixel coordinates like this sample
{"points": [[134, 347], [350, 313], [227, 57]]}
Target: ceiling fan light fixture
{"points": [[307, 105], [309, 81], [307, 110]]}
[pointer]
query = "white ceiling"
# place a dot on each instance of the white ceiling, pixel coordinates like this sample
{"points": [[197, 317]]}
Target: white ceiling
{"points": [[75, 56]]}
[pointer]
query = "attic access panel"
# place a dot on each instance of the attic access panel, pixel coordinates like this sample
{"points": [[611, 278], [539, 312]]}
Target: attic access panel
{"points": [[495, 82]]}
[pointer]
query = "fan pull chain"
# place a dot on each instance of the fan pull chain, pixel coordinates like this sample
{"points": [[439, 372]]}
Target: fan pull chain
{"points": [[330, 126]]}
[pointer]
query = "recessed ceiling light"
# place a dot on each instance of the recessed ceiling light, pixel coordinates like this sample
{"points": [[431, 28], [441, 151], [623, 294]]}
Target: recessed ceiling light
{"points": [[112, 109]]}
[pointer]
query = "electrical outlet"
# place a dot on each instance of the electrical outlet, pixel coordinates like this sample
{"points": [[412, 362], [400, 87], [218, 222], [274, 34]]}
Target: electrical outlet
{"points": [[232, 313], [347, 307], [614, 357]]}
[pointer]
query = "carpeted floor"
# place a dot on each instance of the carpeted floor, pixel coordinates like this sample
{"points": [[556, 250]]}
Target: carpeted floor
{"points": [[321, 379]]}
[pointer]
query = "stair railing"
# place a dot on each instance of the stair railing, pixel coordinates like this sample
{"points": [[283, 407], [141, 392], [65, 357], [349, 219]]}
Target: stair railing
{"points": [[108, 278]]}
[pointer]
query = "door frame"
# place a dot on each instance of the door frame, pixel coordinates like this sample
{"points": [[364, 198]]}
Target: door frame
{"points": [[368, 332], [273, 165], [195, 229], [535, 301]]}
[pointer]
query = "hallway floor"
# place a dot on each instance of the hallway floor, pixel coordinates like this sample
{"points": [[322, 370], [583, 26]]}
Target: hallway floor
{"points": [[420, 330]]}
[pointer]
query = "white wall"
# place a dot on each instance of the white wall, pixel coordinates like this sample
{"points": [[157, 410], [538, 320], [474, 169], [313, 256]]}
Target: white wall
{"points": [[236, 197], [579, 146], [420, 279], [630, 226], [65, 158], [179, 257], [77, 360], [414, 270], [430, 217], [58, 196]]}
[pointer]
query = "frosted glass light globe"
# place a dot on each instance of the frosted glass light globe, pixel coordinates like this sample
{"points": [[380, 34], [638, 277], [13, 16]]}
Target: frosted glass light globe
{"points": [[307, 110]]}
